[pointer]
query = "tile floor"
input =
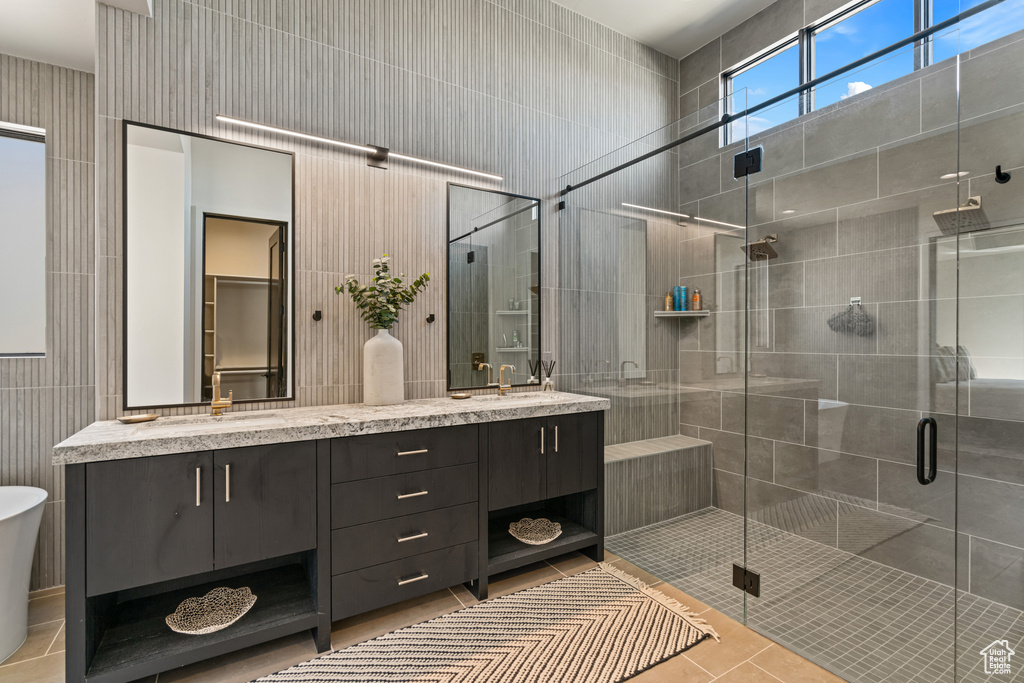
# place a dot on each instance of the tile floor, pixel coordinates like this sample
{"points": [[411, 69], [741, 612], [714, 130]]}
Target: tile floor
{"points": [[866, 621], [743, 655]]}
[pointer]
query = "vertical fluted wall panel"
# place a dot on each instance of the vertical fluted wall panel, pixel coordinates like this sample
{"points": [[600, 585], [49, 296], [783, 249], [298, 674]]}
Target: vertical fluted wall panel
{"points": [[45, 400], [524, 88]]}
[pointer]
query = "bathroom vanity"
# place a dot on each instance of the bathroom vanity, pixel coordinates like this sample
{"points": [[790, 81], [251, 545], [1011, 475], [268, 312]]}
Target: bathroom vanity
{"points": [[322, 512]]}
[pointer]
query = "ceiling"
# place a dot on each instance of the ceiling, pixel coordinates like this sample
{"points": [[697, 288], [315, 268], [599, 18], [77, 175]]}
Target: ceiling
{"points": [[675, 27], [63, 31]]}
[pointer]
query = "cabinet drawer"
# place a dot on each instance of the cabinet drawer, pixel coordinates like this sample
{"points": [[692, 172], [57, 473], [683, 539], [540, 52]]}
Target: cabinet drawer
{"points": [[366, 589], [369, 544], [381, 455], [370, 500]]}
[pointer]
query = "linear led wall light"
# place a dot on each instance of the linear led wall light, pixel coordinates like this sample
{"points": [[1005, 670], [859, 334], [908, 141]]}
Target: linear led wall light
{"points": [[681, 215], [21, 129], [376, 156]]}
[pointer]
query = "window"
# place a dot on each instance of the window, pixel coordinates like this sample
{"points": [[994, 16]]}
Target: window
{"points": [[848, 35], [23, 233], [857, 35], [771, 75]]}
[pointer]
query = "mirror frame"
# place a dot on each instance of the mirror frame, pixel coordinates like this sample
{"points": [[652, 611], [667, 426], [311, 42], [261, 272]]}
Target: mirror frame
{"points": [[447, 286], [124, 267]]}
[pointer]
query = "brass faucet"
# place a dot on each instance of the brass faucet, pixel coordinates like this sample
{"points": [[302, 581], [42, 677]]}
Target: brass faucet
{"points": [[219, 404], [490, 376], [502, 387]]}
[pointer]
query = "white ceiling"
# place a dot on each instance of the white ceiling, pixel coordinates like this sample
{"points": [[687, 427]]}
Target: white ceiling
{"points": [[63, 31], [675, 27]]}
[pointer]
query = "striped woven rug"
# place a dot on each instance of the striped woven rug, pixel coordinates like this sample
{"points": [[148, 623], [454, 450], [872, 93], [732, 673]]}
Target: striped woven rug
{"points": [[600, 626]]}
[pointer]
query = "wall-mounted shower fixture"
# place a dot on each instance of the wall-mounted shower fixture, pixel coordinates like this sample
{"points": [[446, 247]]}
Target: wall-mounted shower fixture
{"points": [[1002, 177], [762, 250], [968, 217]]}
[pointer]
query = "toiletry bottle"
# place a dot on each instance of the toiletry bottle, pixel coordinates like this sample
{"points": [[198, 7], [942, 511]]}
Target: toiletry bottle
{"points": [[697, 300], [515, 337], [668, 301], [682, 298], [676, 291]]}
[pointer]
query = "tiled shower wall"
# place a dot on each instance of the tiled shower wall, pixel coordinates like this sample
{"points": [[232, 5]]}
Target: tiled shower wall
{"points": [[524, 89], [832, 418], [44, 400]]}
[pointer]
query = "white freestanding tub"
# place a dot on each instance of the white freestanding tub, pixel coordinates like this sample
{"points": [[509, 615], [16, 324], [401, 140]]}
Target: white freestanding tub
{"points": [[21, 510]]}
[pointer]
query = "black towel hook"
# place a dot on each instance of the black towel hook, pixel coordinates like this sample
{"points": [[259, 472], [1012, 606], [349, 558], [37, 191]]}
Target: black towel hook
{"points": [[1002, 177]]}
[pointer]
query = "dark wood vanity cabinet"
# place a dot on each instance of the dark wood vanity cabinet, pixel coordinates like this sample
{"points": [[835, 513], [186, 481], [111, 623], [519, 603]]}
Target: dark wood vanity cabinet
{"points": [[172, 516], [320, 530], [152, 518], [541, 458]]}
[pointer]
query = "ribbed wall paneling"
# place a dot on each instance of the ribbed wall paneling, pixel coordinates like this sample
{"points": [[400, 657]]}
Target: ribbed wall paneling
{"points": [[526, 89], [45, 400]]}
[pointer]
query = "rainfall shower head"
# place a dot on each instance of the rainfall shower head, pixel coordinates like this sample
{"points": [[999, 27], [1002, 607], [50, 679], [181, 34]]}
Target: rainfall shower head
{"points": [[762, 250], [968, 217]]}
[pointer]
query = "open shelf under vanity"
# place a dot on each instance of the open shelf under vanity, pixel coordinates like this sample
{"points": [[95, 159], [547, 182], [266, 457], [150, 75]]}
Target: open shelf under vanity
{"points": [[134, 640]]}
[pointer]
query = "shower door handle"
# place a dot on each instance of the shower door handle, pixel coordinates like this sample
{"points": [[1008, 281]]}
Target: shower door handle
{"points": [[933, 457]]}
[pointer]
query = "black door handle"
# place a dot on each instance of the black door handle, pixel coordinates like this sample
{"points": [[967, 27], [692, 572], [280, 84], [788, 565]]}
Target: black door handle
{"points": [[933, 457]]}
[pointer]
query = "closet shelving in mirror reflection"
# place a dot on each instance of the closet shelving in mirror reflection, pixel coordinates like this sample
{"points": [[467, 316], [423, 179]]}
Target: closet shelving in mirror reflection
{"points": [[375, 156]]}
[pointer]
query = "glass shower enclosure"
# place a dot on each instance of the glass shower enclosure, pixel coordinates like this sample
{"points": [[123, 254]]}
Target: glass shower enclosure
{"points": [[839, 430]]}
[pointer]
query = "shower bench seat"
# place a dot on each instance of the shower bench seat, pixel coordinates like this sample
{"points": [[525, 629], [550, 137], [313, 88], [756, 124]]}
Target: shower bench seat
{"points": [[653, 480]]}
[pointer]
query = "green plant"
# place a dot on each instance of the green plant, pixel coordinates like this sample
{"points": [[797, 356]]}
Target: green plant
{"points": [[380, 302]]}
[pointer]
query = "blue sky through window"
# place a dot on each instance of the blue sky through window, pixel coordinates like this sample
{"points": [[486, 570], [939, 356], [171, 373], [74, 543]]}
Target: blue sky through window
{"points": [[779, 73], [996, 22]]}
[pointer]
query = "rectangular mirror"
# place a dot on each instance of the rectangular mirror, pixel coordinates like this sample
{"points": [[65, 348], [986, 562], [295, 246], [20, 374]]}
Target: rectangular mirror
{"points": [[208, 262], [493, 286]]}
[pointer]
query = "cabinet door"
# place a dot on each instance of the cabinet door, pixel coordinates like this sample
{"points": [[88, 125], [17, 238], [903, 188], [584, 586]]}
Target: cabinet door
{"points": [[515, 464], [573, 454], [148, 520], [266, 502]]}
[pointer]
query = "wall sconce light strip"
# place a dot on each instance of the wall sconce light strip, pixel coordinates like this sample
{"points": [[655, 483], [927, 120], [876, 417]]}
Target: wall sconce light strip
{"points": [[348, 145], [682, 215]]}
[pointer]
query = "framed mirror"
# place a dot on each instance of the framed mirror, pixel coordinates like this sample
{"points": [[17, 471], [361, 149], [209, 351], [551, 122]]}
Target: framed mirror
{"points": [[493, 287], [208, 286]]}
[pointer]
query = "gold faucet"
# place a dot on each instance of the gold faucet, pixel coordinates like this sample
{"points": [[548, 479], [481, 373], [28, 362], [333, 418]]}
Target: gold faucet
{"points": [[490, 377], [219, 404], [502, 387]]}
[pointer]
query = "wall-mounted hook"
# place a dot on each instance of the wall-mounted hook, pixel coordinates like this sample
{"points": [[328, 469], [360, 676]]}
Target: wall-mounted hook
{"points": [[431, 318], [317, 316], [1002, 177]]}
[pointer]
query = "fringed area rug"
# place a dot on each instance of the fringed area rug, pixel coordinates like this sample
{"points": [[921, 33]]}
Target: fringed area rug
{"points": [[600, 626]]}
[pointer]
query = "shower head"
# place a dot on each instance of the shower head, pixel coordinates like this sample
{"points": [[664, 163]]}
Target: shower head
{"points": [[968, 217], [762, 250]]}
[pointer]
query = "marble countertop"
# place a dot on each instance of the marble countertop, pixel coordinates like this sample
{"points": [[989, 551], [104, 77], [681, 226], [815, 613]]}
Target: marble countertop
{"points": [[111, 440]]}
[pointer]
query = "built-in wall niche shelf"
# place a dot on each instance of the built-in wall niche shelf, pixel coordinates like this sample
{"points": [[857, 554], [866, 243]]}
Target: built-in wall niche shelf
{"points": [[522, 312], [681, 314], [514, 349]]}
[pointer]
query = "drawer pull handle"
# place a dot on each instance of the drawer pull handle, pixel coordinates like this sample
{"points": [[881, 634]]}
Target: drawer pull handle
{"points": [[199, 486], [402, 582], [227, 483], [542, 441], [412, 538], [403, 496], [422, 450], [556, 438]]}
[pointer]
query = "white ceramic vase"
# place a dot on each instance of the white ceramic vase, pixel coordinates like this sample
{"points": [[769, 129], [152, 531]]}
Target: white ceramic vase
{"points": [[383, 372]]}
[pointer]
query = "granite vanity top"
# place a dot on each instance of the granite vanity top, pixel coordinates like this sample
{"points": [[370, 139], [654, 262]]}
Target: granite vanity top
{"points": [[111, 440]]}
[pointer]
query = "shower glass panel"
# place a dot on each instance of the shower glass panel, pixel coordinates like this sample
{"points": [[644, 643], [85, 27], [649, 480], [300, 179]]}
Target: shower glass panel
{"points": [[989, 375], [856, 558], [625, 241]]}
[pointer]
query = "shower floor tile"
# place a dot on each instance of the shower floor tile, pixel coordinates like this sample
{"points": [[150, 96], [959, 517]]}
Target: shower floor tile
{"points": [[865, 621]]}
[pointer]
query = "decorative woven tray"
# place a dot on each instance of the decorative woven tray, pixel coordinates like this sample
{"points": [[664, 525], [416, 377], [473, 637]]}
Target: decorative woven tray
{"points": [[216, 610], [535, 531]]}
